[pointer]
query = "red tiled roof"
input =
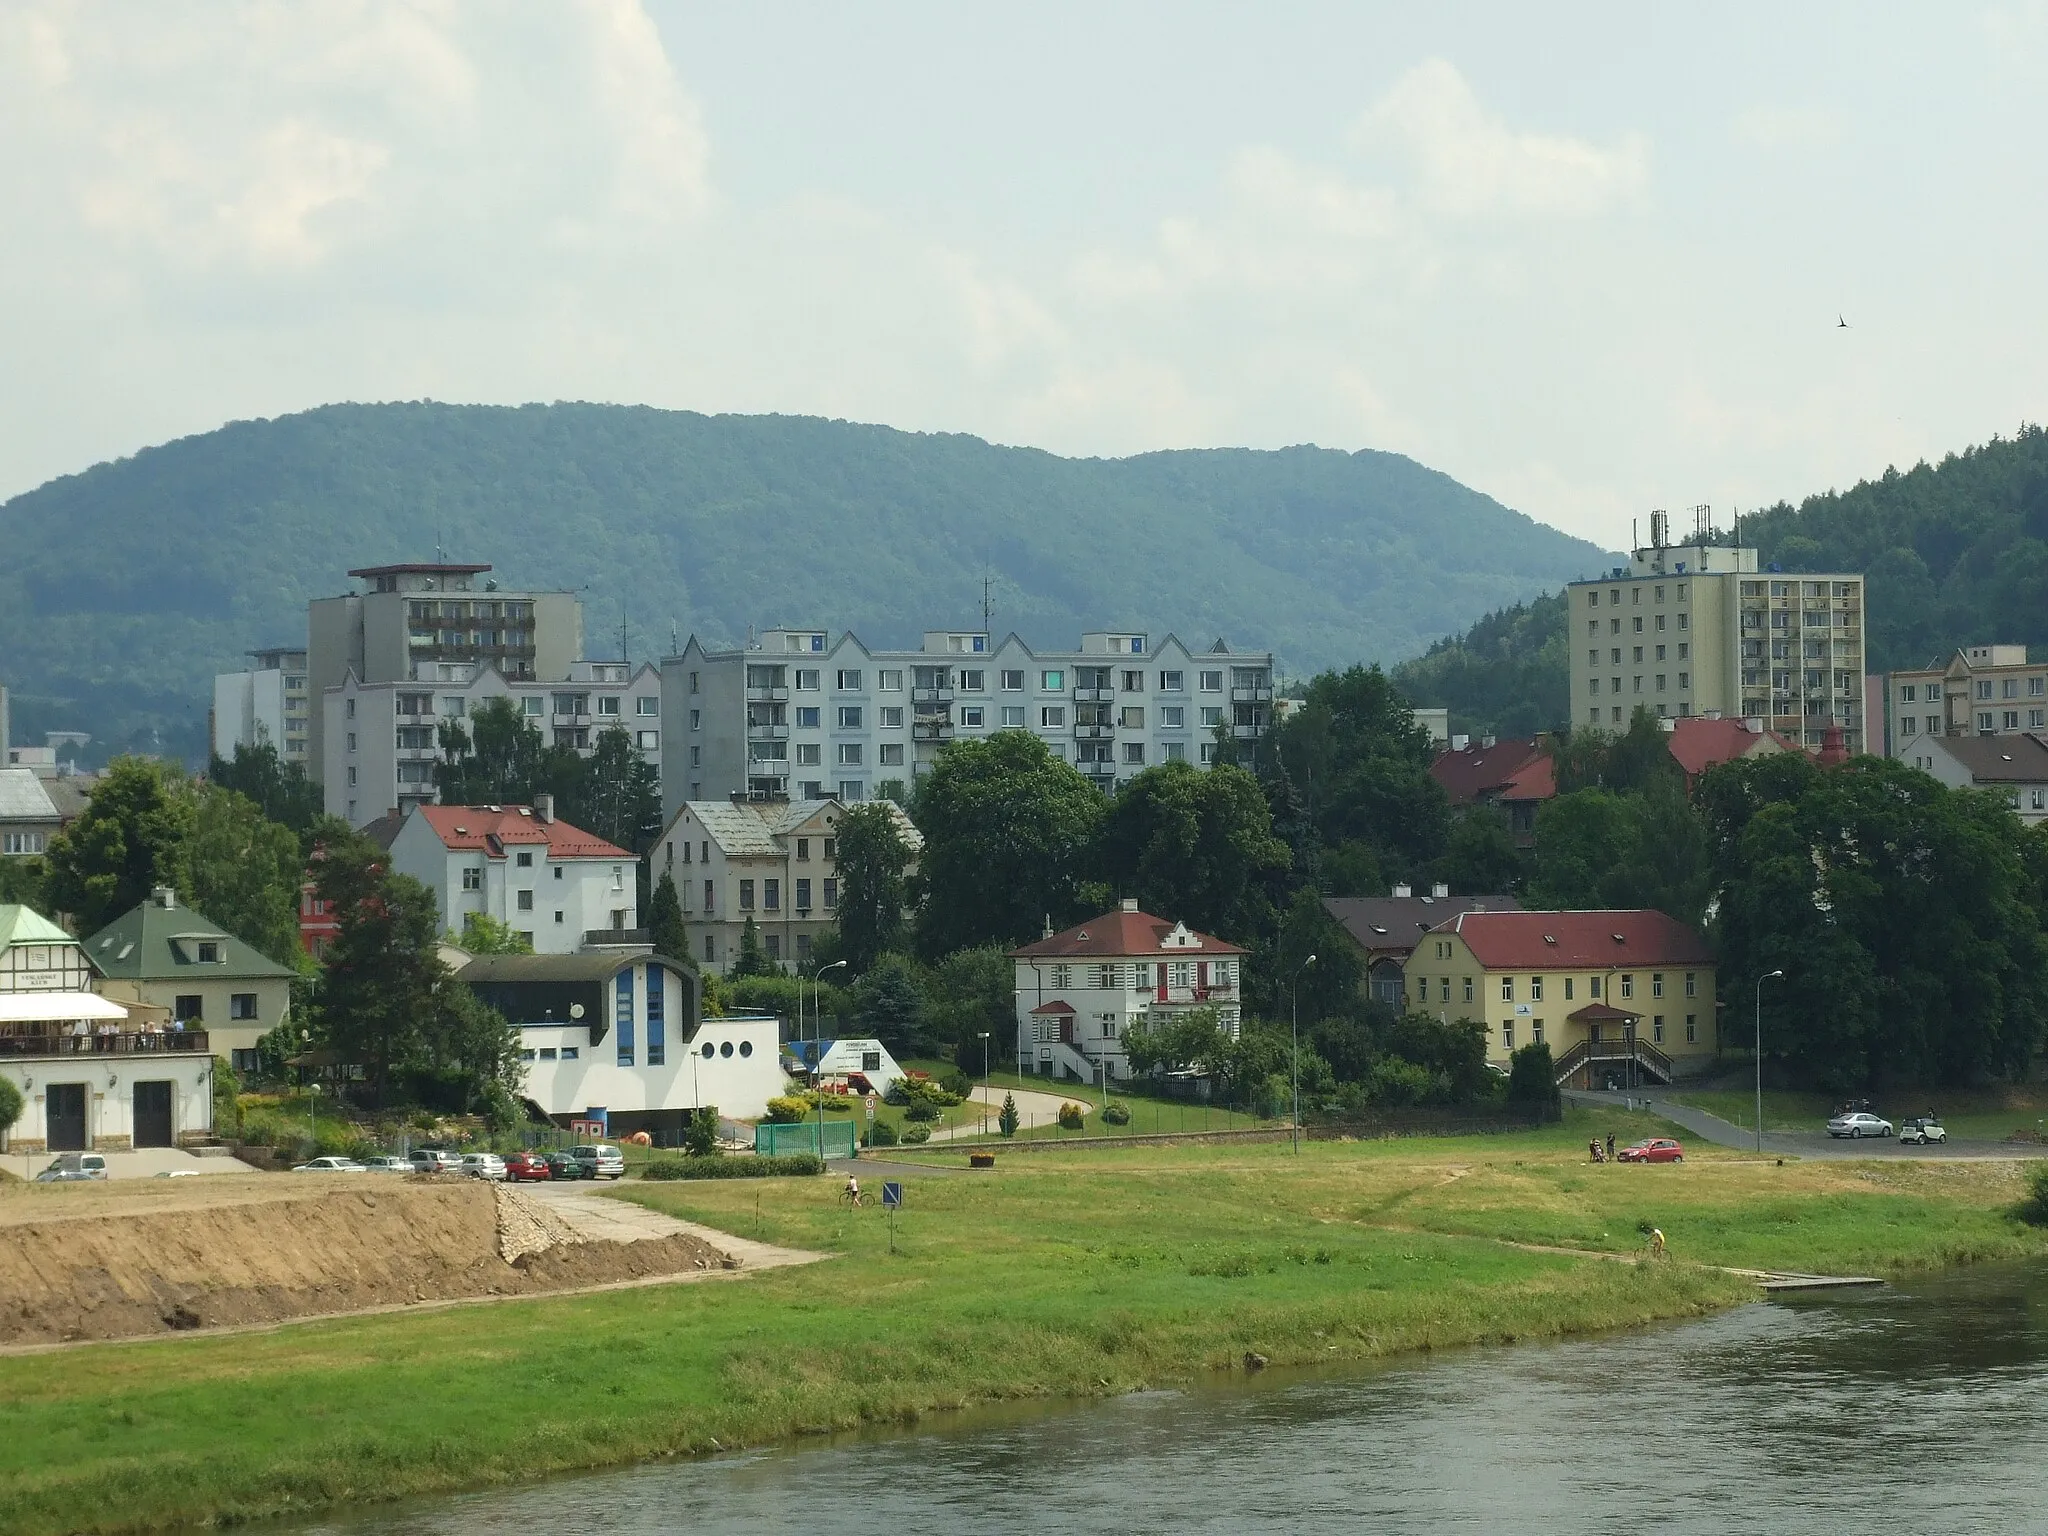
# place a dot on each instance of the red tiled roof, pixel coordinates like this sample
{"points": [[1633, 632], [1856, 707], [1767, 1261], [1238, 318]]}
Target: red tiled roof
{"points": [[1534, 780], [1698, 743], [1585, 941], [1121, 933], [1054, 1007], [1470, 772], [487, 829]]}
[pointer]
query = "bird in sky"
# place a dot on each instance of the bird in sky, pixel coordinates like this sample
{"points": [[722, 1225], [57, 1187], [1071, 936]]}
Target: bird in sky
{"points": [[1840, 323]]}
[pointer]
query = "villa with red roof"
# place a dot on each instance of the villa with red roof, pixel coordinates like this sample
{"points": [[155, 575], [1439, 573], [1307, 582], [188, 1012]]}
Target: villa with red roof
{"points": [[1079, 993], [1626, 996], [1516, 775], [1698, 742], [562, 887]]}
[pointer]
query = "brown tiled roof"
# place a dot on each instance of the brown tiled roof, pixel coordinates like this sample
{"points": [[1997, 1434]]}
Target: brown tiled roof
{"points": [[1580, 941], [488, 829], [1697, 743], [1470, 772], [1393, 924], [1120, 933]]}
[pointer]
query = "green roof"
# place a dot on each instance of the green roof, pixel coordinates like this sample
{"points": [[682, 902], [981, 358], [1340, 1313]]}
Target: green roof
{"points": [[25, 925], [137, 946]]}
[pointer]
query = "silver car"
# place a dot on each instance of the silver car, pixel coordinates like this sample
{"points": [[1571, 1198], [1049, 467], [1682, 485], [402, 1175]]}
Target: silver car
{"points": [[484, 1165], [1859, 1125]]}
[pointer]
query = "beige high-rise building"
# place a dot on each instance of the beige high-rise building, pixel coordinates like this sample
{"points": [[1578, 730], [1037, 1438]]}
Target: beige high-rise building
{"points": [[1697, 629]]}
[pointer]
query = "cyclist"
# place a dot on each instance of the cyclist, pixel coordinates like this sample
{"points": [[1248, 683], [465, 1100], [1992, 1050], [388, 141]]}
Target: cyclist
{"points": [[852, 1193], [1657, 1249]]}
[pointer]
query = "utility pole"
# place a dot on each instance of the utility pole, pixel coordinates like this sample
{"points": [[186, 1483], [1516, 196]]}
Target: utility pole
{"points": [[1294, 1063]]}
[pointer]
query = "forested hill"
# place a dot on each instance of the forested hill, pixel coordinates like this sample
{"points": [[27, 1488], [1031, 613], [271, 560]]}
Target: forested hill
{"points": [[126, 587], [1956, 553]]}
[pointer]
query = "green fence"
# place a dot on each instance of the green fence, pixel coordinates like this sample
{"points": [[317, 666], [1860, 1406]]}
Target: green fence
{"points": [[832, 1139]]}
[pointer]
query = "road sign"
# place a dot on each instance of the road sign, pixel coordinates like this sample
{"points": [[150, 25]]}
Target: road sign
{"points": [[871, 1109], [892, 1196]]}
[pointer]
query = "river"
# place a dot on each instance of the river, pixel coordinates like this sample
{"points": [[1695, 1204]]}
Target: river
{"points": [[1909, 1409]]}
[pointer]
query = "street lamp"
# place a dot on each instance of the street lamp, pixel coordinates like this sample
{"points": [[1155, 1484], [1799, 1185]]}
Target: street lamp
{"points": [[984, 1080], [1294, 1063], [817, 1007], [1767, 976]]}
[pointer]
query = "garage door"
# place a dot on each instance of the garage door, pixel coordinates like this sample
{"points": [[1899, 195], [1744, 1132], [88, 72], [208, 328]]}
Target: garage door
{"points": [[64, 1117], [153, 1114]]}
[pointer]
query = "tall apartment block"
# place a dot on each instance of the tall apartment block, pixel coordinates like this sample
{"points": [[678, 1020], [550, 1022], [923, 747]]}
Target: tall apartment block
{"points": [[1981, 690], [1697, 629], [269, 702], [805, 714]]}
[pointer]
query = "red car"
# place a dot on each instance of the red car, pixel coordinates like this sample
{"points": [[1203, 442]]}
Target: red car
{"points": [[526, 1165], [1658, 1149]]}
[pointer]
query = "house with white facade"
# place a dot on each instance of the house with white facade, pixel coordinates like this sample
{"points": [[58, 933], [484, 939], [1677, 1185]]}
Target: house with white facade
{"points": [[1081, 992], [2014, 766], [95, 1074], [268, 703], [557, 885], [775, 862], [617, 1036]]}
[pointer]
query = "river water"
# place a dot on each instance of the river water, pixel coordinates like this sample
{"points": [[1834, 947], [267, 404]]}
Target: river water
{"points": [[1911, 1409]]}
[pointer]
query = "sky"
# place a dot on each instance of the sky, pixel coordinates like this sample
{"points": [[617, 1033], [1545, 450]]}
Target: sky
{"points": [[1589, 259]]}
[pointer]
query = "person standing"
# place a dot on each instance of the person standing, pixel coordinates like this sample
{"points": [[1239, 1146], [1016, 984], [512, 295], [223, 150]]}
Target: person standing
{"points": [[1610, 1146]]}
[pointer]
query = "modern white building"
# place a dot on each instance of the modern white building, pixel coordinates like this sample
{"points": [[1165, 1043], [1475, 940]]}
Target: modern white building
{"points": [[559, 886], [1697, 629], [1081, 992], [1981, 690], [382, 740], [616, 1036], [806, 714], [774, 862], [267, 703]]}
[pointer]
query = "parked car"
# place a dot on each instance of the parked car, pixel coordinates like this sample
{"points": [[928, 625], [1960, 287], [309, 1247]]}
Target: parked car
{"points": [[179, 1173], [527, 1166], [1922, 1129], [566, 1165], [66, 1176], [388, 1164], [81, 1165], [604, 1160], [1860, 1123], [435, 1160], [330, 1165], [484, 1165], [1657, 1149]]}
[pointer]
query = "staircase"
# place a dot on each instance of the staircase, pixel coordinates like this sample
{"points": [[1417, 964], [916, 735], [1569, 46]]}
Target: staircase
{"points": [[1600, 1052], [1070, 1062]]}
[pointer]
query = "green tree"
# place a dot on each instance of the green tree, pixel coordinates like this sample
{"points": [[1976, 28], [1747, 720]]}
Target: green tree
{"points": [[483, 934], [22, 881], [1007, 1120], [470, 1042], [498, 759], [752, 959], [618, 795], [700, 1136], [1192, 1039], [1198, 846], [1330, 987], [1532, 1077], [245, 872], [873, 858], [1008, 832], [970, 992], [1481, 857], [281, 790], [888, 1002], [10, 1107], [1603, 848], [132, 837], [665, 928]]}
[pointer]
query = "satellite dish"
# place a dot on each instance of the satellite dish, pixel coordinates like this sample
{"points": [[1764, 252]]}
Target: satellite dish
{"points": [[575, 1010]]}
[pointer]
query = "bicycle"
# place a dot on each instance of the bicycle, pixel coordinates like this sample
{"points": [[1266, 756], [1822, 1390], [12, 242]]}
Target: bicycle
{"points": [[852, 1198]]}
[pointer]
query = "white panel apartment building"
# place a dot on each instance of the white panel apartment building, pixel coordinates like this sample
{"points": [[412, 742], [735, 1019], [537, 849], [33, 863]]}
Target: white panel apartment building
{"points": [[807, 715], [267, 703]]}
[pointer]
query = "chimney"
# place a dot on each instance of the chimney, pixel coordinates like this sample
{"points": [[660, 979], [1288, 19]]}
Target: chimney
{"points": [[1754, 724], [1712, 714], [1130, 903], [1047, 932], [1440, 890], [1487, 742], [1403, 890], [164, 897], [544, 808], [1460, 743]]}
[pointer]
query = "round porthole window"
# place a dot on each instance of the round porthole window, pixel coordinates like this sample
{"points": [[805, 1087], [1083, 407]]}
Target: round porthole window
{"points": [[725, 1049], [707, 1048], [746, 1047]]}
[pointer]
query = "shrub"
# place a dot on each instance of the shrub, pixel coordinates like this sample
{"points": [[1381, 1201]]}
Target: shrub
{"points": [[700, 1136], [785, 1110], [1008, 1120], [1071, 1116], [881, 1134], [957, 1083], [1116, 1112], [921, 1111], [2034, 1209], [795, 1165], [916, 1135]]}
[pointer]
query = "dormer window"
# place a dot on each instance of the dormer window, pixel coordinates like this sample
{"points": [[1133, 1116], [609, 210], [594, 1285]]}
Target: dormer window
{"points": [[209, 952]]}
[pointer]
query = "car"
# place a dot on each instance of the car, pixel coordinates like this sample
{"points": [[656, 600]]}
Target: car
{"points": [[388, 1164], [1859, 1123], [179, 1173], [1922, 1129], [604, 1160], [66, 1176], [527, 1166], [330, 1165], [566, 1165], [1656, 1149], [484, 1165], [75, 1165], [435, 1160]]}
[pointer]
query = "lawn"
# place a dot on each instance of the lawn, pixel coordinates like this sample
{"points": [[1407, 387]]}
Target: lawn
{"points": [[1070, 1274]]}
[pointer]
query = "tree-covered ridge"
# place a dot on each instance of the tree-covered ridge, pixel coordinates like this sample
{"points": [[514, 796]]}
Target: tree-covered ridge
{"points": [[1954, 554], [129, 585]]}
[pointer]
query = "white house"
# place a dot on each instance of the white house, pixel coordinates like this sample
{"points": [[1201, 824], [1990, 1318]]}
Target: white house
{"points": [[558, 885], [1079, 993], [615, 1035], [2014, 766]]}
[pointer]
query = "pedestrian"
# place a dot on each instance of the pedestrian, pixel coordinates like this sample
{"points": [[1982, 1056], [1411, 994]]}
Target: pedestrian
{"points": [[1610, 1146]]}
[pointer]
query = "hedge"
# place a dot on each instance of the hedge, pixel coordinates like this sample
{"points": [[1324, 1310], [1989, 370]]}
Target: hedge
{"points": [[734, 1167]]}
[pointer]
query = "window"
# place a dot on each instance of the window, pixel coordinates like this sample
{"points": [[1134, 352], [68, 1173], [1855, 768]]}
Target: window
{"points": [[696, 719], [1134, 752], [1013, 681], [524, 902], [1567, 989], [852, 791], [831, 847], [1174, 752], [808, 717], [1628, 986], [847, 680], [1212, 682], [524, 858], [1443, 992], [849, 717], [710, 891], [1984, 689], [1507, 1034], [1507, 989], [709, 948], [1657, 1029], [349, 708], [351, 741], [971, 714], [1906, 693], [890, 717], [607, 704], [1468, 989], [971, 680], [188, 1009], [771, 895], [1172, 717], [1212, 714], [890, 754], [831, 893], [803, 895], [1134, 682], [746, 895], [1637, 623], [849, 753], [890, 679], [622, 1015], [2010, 689], [1013, 715], [1052, 682], [1170, 682], [1052, 717], [242, 1005], [807, 679], [1656, 983], [1535, 989], [209, 952], [473, 879], [1593, 987], [809, 754], [1692, 984], [1132, 718], [1983, 724], [648, 741], [774, 941], [2010, 719], [646, 704]]}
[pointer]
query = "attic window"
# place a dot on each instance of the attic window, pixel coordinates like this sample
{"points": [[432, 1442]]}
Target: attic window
{"points": [[1619, 939], [1082, 934], [106, 942], [1426, 900], [1550, 938], [126, 951], [1376, 928], [523, 810], [462, 831]]}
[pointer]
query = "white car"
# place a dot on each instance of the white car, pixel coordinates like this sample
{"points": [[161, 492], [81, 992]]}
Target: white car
{"points": [[484, 1165], [330, 1165], [387, 1164], [1858, 1125], [1921, 1130]]}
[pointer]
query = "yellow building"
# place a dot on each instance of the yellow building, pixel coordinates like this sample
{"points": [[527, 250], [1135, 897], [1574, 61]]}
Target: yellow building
{"points": [[1626, 996]]}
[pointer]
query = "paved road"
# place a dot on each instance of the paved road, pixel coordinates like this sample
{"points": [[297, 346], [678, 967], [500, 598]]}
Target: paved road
{"points": [[1804, 1143], [1034, 1108]]}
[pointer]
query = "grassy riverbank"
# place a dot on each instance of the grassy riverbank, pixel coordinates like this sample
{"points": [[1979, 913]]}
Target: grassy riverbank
{"points": [[1063, 1274]]}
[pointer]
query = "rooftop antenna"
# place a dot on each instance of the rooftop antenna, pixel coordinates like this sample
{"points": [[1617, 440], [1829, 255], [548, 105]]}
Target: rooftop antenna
{"points": [[987, 608], [675, 647]]}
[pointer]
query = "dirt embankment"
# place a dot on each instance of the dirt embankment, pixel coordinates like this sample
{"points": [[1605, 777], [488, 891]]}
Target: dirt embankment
{"points": [[106, 1262]]}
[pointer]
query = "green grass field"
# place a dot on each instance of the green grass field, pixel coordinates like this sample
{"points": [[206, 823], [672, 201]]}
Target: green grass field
{"points": [[1069, 1274]]}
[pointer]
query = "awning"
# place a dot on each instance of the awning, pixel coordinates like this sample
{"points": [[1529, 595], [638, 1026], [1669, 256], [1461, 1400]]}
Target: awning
{"points": [[1053, 1008], [1601, 1013], [56, 1007]]}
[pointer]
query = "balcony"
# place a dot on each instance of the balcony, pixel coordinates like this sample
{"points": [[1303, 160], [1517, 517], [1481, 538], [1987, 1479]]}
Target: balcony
{"points": [[1094, 732], [125, 1043], [767, 695], [767, 732], [931, 730], [1250, 695], [1094, 695], [931, 695], [600, 938], [1245, 732]]}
